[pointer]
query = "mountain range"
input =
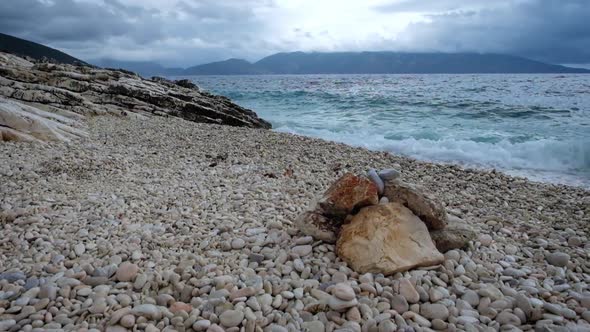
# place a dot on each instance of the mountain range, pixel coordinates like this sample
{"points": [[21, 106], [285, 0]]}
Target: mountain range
{"points": [[313, 63]]}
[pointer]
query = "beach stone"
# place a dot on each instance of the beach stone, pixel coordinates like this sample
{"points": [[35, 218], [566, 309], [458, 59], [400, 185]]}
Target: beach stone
{"points": [[373, 176], [508, 318], [408, 291], [524, 304], [485, 240], [313, 326], [149, 311], [434, 311], [422, 203], [180, 306], [231, 318], [389, 174], [127, 321], [238, 244], [456, 235], [386, 239], [12, 276], [343, 292], [7, 324], [127, 272], [303, 250], [348, 193], [557, 258], [471, 297], [201, 325], [339, 305], [399, 304]]}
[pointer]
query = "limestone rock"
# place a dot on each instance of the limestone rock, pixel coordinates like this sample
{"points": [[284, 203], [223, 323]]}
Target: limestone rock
{"points": [[386, 238], [456, 235], [316, 225], [20, 122], [422, 203], [62, 88], [347, 194]]}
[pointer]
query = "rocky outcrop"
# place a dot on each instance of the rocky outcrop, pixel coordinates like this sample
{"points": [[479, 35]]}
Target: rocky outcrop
{"points": [[422, 203], [20, 122], [386, 238], [92, 91]]}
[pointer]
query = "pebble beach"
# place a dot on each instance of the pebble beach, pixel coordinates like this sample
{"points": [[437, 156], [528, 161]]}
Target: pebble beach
{"points": [[162, 224]]}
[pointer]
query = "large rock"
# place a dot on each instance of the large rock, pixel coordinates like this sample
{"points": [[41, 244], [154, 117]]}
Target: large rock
{"points": [[95, 91], [456, 235], [422, 203], [347, 195], [386, 238], [20, 122]]}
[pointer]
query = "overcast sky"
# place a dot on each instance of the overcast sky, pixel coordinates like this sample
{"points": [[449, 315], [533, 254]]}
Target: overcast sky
{"points": [[189, 32]]}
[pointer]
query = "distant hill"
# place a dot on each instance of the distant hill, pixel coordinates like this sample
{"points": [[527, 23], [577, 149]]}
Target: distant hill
{"points": [[143, 68], [227, 67], [14, 45], [380, 63]]}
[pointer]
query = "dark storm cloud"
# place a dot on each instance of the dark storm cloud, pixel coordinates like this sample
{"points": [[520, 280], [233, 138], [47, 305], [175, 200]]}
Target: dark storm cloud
{"points": [[556, 31], [66, 20]]}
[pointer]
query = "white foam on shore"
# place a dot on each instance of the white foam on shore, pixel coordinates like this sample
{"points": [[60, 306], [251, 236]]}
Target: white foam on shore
{"points": [[542, 160]]}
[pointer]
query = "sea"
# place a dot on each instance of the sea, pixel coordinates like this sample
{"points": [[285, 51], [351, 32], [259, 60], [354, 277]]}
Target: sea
{"points": [[533, 126]]}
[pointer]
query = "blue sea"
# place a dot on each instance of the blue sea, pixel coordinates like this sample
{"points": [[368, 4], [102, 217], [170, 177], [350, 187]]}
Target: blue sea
{"points": [[536, 126]]}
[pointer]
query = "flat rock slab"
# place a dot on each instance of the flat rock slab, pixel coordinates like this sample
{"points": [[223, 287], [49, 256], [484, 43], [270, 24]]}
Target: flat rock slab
{"points": [[387, 239]]}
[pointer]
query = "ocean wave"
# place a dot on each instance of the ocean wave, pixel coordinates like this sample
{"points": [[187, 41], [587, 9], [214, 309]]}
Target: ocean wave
{"points": [[545, 155]]}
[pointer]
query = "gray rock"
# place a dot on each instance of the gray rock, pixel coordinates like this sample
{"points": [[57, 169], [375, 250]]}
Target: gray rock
{"points": [[508, 318], [12, 276], [399, 304], [434, 311], [557, 258], [343, 292], [524, 304], [313, 326], [231, 318], [389, 174], [372, 174], [559, 310], [149, 311]]}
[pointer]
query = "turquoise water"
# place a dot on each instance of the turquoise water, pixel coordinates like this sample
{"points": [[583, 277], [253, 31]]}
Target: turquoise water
{"points": [[536, 126]]}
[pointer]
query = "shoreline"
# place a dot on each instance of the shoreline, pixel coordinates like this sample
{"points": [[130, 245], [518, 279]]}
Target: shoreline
{"points": [[516, 173]]}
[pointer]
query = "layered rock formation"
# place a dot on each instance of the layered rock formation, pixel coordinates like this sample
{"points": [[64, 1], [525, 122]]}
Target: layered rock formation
{"points": [[66, 89]]}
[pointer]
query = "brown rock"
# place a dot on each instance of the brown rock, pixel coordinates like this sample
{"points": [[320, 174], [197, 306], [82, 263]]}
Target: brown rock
{"points": [[317, 226], [386, 238], [127, 272], [456, 235], [180, 306], [347, 194], [422, 203]]}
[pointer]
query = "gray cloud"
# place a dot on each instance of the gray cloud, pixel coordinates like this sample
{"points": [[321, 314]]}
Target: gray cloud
{"points": [[187, 32], [549, 30]]}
